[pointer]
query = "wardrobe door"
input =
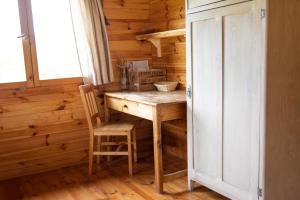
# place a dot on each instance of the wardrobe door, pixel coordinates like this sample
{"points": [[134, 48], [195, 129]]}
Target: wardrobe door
{"points": [[225, 66]]}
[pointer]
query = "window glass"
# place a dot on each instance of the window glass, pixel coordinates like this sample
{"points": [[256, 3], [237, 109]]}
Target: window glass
{"points": [[12, 67], [55, 41]]}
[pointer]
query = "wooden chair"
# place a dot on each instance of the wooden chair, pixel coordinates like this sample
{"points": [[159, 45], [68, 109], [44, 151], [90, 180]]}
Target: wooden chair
{"points": [[99, 129]]}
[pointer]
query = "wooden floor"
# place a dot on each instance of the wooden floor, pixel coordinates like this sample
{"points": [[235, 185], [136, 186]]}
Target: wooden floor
{"points": [[109, 182]]}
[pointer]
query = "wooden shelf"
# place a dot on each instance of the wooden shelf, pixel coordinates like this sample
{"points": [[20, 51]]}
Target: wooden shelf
{"points": [[154, 38], [164, 34]]}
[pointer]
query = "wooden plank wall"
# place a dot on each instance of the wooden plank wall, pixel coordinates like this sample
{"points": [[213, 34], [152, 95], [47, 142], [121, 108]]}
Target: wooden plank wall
{"points": [[127, 18], [169, 15], [41, 129], [283, 101], [44, 128]]}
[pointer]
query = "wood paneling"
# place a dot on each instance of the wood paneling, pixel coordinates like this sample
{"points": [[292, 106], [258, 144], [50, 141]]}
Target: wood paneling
{"points": [[169, 15], [132, 17], [44, 128], [41, 128], [283, 101], [126, 20]]}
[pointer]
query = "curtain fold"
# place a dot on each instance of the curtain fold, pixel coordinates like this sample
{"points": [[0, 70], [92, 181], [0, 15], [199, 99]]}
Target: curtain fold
{"points": [[92, 41]]}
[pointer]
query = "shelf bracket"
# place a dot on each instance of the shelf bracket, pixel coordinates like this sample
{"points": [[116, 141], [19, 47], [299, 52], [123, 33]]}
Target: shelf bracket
{"points": [[157, 44], [155, 38]]}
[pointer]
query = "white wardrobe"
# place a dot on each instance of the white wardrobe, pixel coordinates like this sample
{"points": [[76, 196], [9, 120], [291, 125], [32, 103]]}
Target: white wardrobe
{"points": [[243, 88], [225, 81]]}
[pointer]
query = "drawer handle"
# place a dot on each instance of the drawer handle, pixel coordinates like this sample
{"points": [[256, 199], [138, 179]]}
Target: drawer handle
{"points": [[125, 106]]}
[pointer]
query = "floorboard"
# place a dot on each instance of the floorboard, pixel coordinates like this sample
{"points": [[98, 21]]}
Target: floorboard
{"points": [[109, 182]]}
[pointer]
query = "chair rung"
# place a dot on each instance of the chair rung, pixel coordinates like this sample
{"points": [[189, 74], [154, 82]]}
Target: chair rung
{"points": [[113, 143], [112, 133], [175, 175], [111, 153]]}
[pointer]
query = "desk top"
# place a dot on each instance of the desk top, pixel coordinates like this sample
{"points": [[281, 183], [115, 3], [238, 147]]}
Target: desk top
{"points": [[151, 97]]}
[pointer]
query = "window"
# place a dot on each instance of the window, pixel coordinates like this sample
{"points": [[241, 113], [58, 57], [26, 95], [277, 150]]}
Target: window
{"points": [[37, 42], [55, 42], [12, 65]]}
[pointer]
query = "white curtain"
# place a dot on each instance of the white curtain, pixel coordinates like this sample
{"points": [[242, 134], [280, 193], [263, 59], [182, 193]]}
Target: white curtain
{"points": [[92, 42]]}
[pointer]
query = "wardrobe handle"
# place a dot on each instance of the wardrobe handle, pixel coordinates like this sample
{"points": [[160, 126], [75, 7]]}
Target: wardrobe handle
{"points": [[189, 92]]}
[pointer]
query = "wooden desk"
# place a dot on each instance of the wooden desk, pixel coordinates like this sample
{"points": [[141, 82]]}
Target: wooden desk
{"points": [[155, 106]]}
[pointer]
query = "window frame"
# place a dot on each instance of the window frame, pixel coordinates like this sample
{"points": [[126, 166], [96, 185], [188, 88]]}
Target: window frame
{"points": [[30, 54]]}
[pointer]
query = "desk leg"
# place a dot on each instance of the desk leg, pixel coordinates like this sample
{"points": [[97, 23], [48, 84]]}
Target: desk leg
{"points": [[107, 119], [157, 143]]}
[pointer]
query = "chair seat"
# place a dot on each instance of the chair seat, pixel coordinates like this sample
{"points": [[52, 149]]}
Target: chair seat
{"points": [[115, 128]]}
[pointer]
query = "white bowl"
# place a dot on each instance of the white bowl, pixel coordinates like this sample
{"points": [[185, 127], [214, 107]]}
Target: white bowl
{"points": [[166, 86]]}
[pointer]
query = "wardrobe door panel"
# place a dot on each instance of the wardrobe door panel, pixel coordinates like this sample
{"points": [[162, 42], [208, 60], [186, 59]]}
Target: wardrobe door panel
{"points": [[207, 89], [241, 100]]}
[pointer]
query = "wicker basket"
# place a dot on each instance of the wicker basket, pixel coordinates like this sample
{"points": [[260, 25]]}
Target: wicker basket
{"points": [[166, 86], [143, 81]]}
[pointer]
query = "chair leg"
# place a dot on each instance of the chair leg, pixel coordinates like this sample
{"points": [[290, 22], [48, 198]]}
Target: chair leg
{"points": [[134, 147], [108, 148], [130, 163], [98, 148], [91, 150]]}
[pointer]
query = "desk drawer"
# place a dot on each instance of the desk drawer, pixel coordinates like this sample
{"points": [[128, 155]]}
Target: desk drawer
{"points": [[130, 107]]}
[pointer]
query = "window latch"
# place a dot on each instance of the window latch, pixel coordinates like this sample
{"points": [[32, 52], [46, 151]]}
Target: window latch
{"points": [[22, 36]]}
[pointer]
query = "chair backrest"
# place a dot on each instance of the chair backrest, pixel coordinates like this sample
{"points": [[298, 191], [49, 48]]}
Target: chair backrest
{"points": [[90, 105]]}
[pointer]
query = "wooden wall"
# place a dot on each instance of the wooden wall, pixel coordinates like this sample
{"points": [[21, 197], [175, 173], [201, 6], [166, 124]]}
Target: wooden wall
{"points": [[169, 15], [127, 18], [41, 129], [283, 101]]}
